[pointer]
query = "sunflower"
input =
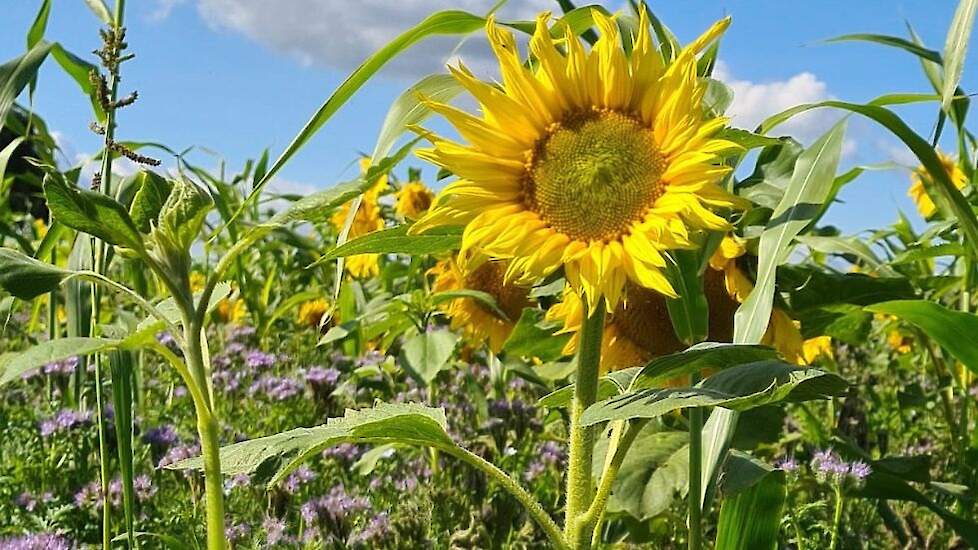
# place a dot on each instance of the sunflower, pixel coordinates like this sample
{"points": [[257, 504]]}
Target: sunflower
{"points": [[918, 189], [413, 200], [311, 312], [899, 342], [231, 310], [593, 161], [640, 328], [476, 319], [367, 220], [197, 281], [814, 348]]}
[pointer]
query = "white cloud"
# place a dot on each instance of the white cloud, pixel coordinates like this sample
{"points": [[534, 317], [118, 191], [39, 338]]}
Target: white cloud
{"points": [[164, 8], [753, 102], [341, 34]]}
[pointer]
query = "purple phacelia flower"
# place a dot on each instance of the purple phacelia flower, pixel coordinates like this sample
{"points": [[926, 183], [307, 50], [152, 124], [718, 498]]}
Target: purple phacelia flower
{"points": [[302, 475], [178, 453], [374, 533], [257, 359], [859, 470], [787, 464], [64, 420], [144, 488], [36, 541], [319, 376], [89, 497], [344, 452], [235, 481], [237, 532], [274, 531], [276, 388], [161, 437]]}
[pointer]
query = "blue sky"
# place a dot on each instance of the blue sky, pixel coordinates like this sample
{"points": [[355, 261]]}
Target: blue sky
{"points": [[237, 76]]}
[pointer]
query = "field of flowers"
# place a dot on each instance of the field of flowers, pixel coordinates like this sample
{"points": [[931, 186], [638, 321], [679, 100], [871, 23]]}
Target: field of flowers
{"points": [[611, 320]]}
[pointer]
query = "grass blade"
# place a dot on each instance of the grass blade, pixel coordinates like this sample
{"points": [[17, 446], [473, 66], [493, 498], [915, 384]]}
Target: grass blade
{"points": [[955, 49]]}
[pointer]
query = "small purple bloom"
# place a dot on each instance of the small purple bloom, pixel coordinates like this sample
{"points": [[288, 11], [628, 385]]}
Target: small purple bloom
{"points": [[302, 475], [144, 488], [36, 541], [237, 532], [788, 464], [859, 470], [161, 437], [257, 359], [274, 531], [64, 420]]}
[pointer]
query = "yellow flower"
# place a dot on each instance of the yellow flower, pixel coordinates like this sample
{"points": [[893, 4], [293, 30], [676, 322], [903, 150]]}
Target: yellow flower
{"points": [[918, 190], [594, 161], [899, 342], [640, 328], [232, 310], [413, 200], [820, 346], [40, 228], [477, 320], [311, 312], [367, 220], [197, 281]]}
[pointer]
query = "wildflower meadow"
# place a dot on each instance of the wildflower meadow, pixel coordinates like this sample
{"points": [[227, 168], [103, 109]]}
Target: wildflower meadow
{"points": [[568, 305]]}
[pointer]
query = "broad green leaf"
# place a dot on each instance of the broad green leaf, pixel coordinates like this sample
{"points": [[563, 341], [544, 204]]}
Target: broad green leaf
{"points": [[955, 49], [27, 278], [409, 109], [151, 194], [954, 330], [654, 473], [94, 213], [530, 339], [396, 241], [426, 354], [845, 322], [809, 288], [14, 366], [17, 73], [182, 215], [690, 314], [737, 388], [747, 139], [772, 173], [609, 385], [410, 423], [706, 355], [751, 519], [810, 183]]}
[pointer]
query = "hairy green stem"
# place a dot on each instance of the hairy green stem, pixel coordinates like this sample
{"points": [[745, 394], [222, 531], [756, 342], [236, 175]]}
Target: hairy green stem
{"points": [[536, 511], [836, 517], [581, 448], [623, 434], [208, 427]]}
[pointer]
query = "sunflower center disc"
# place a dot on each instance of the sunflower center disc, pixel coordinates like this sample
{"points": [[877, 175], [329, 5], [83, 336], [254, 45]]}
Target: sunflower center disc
{"points": [[489, 278], [595, 175]]}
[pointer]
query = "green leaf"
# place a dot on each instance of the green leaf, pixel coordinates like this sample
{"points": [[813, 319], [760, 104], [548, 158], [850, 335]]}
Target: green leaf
{"points": [[169, 308], [852, 246], [927, 252], [17, 73], [947, 193], [409, 109], [706, 355], [13, 366], [27, 278], [183, 215], [530, 339], [100, 10], [954, 330], [892, 41], [94, 213], [810, 183], [410, 423], [809, 288], [955, 49], [36, 32], [449, 22], [655, 471], [752, 518], [484, 299], [609, 385], [396, 241], [151, 194], [772, 173], [426, 354], [738, 388], [690, 314]]}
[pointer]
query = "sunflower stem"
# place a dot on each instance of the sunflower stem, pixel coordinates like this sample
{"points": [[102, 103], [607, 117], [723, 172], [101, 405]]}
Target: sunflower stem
{"points": [[695, 523], [579, 485]]}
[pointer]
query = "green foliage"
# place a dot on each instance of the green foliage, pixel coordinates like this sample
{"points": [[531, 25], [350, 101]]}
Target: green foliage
{"points": [[426, 354], [953, 330], [94, 213], [27, 278], [752, 518]]}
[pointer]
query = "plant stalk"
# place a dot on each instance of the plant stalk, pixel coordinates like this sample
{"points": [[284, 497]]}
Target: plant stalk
{"points": [[695, 496], [836, 517], [579, 486]]}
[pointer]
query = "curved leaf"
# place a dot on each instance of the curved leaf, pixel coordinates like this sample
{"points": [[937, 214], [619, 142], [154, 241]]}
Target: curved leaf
{"points": [[954, 330]]}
